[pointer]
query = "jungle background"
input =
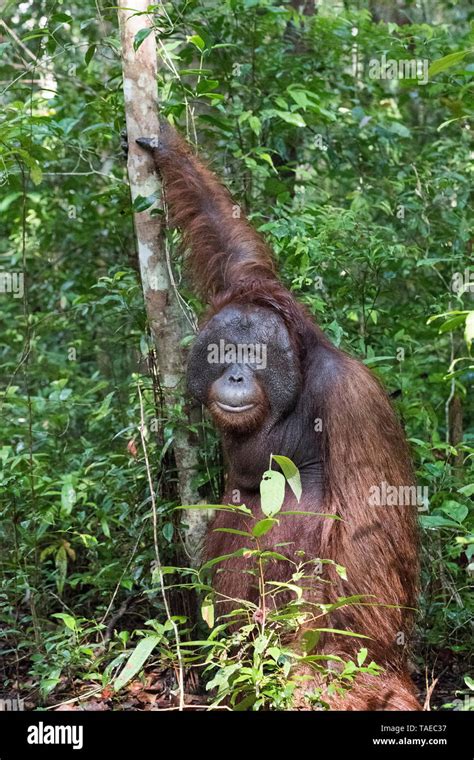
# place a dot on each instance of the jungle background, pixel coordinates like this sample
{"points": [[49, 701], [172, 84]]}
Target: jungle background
{"points": [[361, 183]]}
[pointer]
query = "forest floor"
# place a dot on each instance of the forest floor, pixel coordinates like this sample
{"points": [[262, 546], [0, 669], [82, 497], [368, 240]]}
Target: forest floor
{"points": [[443, 677]]}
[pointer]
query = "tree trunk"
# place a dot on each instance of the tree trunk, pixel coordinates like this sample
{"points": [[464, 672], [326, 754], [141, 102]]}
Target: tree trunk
{"points": [[165, 316]]}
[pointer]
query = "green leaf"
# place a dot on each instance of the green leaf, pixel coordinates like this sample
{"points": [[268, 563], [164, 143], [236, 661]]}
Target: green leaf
{"points": [[61, 18], [207, 85], [291, 118], [168, 531], [451, 324], [224, 557], [467, 490], [437, 521], [290, 586], [469, 329], [68, 620], [263, 156], [141, 203], [396, 128], [196, 40], [446, 62], [291, 473], [89, 54], [273, 555], [344, 601], [68, 497], [48, 684], [136, 660], [207, 610], [455, 510], [308, 512], [263, 526], [274, 652], [234, 531], [61, 565], [141, 36], [341, 633], [222, 507], [36, 173], [272, 492], [300, 97], [361, 657], [104, 408], [310, 640], [255, 125]]}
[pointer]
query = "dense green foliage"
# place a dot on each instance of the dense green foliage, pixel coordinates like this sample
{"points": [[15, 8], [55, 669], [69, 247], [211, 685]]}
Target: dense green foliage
{"points": [[362, 186]]}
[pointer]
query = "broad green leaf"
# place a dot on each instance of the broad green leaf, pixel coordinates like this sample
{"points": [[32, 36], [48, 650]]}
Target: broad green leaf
{"points": [[291, 118], [136, 660], [300, 97], [141, 203], [455, 510], [344, 601], [273, 555], [104, 408], [290, 586], [310, 640], [291, 473], [48, 684], [263, 526], [207, 610], [272, 492], [255, 125], [68, 620], [469, 329], [168, 531], [446, 62], [437, 521], [36, 173], [89, 54], [68, 497], [206, 85], [224, 557], [467, 490], [61, 18], [141, 36], [196, 40]]}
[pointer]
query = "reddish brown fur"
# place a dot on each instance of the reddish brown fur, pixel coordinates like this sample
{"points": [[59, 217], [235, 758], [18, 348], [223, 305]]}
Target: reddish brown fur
{"points": [[361, 444]]}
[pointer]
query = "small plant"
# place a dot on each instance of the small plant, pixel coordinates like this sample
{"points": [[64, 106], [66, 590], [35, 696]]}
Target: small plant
{"points": [[247, 659], [254, 666]]}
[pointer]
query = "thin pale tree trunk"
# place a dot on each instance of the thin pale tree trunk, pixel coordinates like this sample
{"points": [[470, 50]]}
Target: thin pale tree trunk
{"points": [[165, 316]]}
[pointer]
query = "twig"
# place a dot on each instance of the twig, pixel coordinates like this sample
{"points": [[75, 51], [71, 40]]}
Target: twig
{"points": [[106, 613], [75, 699], [429, 691], [158, 565]]}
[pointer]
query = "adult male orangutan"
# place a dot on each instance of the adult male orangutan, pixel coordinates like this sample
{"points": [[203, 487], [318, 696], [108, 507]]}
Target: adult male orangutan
{"points": [[312, 403]]}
